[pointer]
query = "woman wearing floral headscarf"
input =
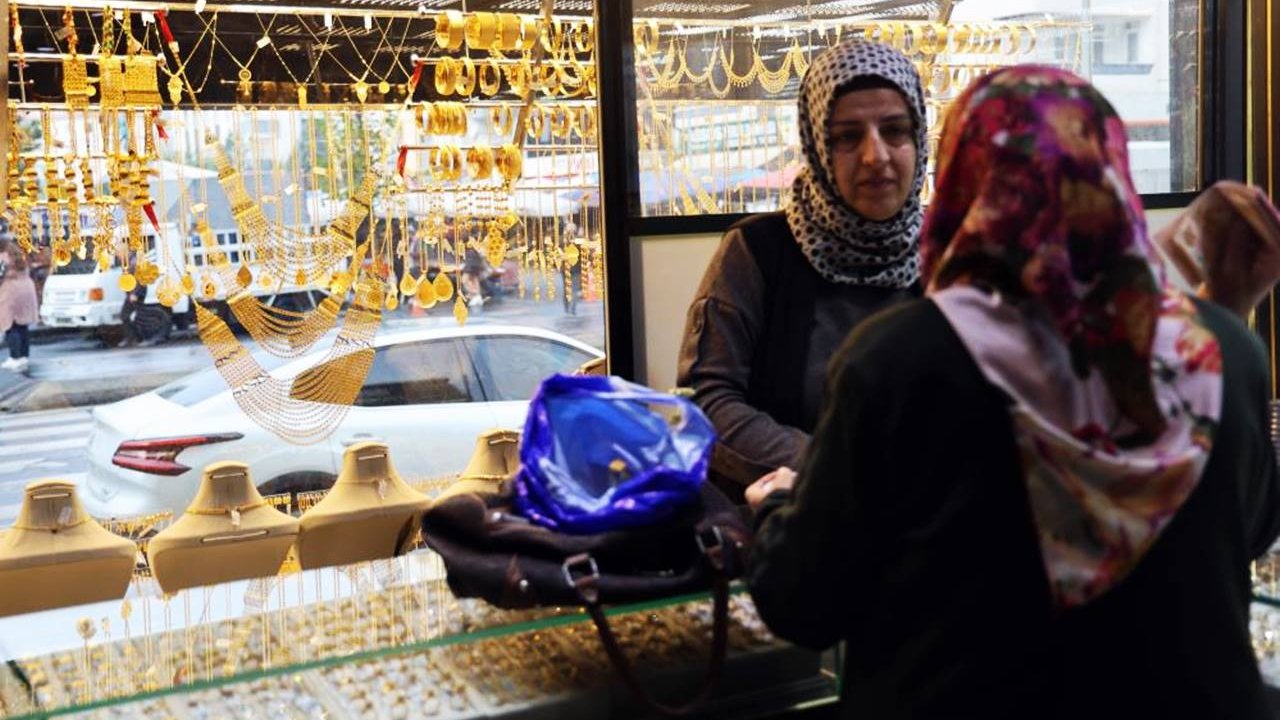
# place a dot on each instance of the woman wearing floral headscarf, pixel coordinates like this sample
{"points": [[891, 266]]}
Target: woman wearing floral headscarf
{"points": [[1036, 492], [786, 287]]}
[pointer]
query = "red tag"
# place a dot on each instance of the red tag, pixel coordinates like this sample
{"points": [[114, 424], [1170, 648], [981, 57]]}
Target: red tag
{"points": [[150, 210], [404, 155], [413, 81], [167, 33], [159, 125]]}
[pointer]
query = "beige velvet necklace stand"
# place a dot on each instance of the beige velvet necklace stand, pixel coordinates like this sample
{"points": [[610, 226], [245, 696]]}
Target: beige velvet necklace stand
{"points": [[369, 514], [56, 555], [228, 533], [493, 464]]}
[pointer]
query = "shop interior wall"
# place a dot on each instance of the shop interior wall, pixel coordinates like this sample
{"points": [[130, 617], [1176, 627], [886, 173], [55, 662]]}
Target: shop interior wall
{"points": [[665, 271]]}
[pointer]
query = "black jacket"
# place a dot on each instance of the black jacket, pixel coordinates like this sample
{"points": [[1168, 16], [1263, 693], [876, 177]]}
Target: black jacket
{"points": [[910, 537]]}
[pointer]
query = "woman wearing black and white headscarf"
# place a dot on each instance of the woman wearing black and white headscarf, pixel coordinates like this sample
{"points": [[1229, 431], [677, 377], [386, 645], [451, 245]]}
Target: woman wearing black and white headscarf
{"points": [[785, 288]]}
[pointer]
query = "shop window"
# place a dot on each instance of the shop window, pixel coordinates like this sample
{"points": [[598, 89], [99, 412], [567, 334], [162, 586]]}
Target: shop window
{"points": [[421, 373], [513, 367]]}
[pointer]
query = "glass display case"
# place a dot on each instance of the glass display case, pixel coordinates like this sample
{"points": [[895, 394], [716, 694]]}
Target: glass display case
{"points": [[378, 639]]}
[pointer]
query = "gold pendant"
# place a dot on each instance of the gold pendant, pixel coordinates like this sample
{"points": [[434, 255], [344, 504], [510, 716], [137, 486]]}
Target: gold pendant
{"points": [[362, 90], [175, 89], [392, 301], [128, 282], [460, 311], [426, 292], [300, 278], [571, 255], [444, 287], [210, 289], [408, 285], [302, 96], [188, 284], [384, 87], [245, 86], [244, 276]]}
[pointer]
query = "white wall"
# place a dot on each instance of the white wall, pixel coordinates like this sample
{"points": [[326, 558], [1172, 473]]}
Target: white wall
{"points": [[665, 272]]}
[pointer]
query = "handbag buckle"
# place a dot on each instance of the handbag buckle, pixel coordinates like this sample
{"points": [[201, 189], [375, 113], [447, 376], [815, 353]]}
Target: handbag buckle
{"points": [[711, 545], [583, 581]]}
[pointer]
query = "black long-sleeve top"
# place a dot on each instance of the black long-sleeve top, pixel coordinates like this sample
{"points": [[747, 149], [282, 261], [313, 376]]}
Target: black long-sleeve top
{"points": [[909, 535], [759, 334]]}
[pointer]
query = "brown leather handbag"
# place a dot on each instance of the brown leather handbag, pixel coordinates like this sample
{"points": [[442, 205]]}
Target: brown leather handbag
{"points": [[503, 558]]}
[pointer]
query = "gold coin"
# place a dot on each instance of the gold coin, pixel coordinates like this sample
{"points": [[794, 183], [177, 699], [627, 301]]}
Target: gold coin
{"points": [[128, 282]]}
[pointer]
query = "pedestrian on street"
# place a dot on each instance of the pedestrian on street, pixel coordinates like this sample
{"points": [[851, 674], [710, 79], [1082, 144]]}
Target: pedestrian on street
{"points": [[18, 305]]}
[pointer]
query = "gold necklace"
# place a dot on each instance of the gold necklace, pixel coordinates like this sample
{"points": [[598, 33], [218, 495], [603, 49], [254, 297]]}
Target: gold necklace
{"points": [[245, 86]]}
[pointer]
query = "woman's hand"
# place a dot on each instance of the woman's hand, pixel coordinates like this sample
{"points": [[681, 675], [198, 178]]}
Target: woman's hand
{"points": [[781, 479]]}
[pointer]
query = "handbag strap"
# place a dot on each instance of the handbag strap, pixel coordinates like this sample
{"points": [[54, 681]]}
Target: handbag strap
{"points": [[585, 586]]}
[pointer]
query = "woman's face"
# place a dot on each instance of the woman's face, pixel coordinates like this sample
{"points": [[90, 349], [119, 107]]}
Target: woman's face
{"points": [[873, 151]]}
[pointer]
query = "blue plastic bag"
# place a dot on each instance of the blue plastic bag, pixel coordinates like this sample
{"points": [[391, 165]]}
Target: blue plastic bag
{"points": [[601, 454]]}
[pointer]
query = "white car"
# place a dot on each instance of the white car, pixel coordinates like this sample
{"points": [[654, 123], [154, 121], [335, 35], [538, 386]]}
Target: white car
{"points": [[428, 394]]}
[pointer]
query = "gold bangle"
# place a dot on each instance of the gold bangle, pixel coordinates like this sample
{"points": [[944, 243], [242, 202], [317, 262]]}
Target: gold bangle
{"points": [[584, 37], [518, 78], [509, 31], [528, 32], [501, 119], [493, 84], [419, 111], [450, 29], [587, 123], [482, 30], [564, 79], [553, 37], [446, 76], [510, 162], [1031, 42], [561, 122], [433, 117], [466, 86], [934, 39], [480, 162], [1015, 40], [550, 80], [646, 37], [445, 162], [908, 38], [457, 118], [958, 39], [533, 123]]}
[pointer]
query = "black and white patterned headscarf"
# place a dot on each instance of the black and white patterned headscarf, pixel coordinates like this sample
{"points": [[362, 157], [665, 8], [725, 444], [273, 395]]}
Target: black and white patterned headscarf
{"points": [[843, 246]]}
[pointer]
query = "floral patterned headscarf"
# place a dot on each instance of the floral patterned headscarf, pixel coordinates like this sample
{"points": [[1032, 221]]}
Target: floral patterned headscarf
{"points": [[840, 244], [1036, 250]]}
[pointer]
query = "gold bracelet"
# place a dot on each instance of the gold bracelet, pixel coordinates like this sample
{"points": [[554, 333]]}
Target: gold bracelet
{"points": [[450, 29], [1015, 40], [1031, 42], [533, 123], [461, 119], [508, 31], [646, 38], [480, 162], [482, 30], [587, 123], [446, 162], [446, 76], [419, 111], [561, 122], [584, 37], [553, 37], [518, 78], [493, 83], [501, 119], [935, 39], [510, 162], [550, 80], [466, 86], [528, 32]]}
